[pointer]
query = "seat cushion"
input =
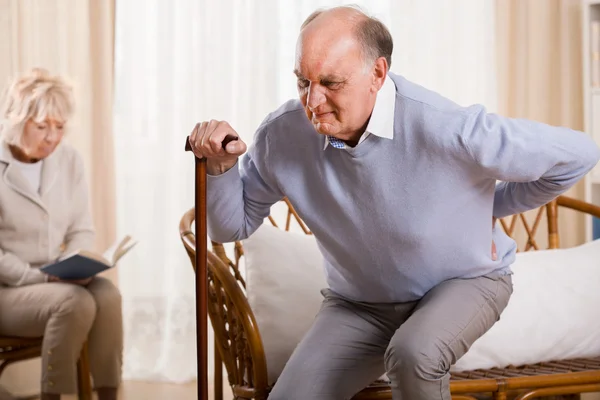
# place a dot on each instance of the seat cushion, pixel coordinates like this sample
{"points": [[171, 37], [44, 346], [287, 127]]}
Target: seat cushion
{"points": [[552, 314]]}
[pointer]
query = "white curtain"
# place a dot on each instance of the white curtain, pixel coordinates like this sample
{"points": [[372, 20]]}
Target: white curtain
{"points": [[177, 63]]}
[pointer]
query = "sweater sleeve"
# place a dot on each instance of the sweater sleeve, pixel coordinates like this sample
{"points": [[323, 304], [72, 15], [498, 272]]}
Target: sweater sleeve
{"points": [[535, 162], [240, 199], [16, 272]]}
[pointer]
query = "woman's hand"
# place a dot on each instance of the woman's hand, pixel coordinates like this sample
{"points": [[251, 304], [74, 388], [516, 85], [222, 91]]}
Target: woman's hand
{"points": [[80, 282]]}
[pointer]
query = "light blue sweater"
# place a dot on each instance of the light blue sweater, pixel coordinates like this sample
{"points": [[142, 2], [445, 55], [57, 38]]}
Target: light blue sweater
{"points": [[394, 218]]}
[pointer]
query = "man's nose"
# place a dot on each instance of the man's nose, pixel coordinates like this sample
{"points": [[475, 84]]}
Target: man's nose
{"points": [[316, 97]]}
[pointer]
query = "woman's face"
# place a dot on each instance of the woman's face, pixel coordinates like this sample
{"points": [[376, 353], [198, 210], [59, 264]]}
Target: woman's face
{"points": [[41, 138]]}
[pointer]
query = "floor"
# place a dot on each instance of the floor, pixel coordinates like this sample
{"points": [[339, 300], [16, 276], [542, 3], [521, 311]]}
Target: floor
{"points": [[161, 391], [131, 390], [20, 379]]}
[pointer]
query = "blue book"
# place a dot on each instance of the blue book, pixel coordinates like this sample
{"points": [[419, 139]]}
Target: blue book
{"points": [[85, 264], [596, 229]]}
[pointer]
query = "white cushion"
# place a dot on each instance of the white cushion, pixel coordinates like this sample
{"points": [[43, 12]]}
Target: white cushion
{"points": [[284, 276], [552, 313]]}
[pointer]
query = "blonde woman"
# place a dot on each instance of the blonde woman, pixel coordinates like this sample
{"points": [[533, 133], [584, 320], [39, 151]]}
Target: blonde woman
{"points": [[44, 212]]}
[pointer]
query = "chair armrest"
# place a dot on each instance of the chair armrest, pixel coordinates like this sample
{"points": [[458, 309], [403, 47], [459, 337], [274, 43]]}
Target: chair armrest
{"points": [[578, 205]]}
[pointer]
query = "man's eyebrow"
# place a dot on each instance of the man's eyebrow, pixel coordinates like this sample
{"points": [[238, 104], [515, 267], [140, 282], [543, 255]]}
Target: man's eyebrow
{"points": [[330, 78], [325, 78]]}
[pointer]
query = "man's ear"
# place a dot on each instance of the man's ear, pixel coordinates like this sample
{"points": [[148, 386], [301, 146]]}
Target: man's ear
{"points": [[380, 70]]}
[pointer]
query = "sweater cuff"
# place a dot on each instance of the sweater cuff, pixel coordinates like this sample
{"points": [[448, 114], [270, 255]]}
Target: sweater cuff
{"points": [[224, 180]]}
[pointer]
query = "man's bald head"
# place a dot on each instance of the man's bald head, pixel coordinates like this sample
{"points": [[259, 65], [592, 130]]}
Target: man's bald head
{"points": [[372, 35]]}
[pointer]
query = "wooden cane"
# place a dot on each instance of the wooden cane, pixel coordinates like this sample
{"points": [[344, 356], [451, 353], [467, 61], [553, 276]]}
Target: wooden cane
{"points": [[201, 275], [201, 270]]}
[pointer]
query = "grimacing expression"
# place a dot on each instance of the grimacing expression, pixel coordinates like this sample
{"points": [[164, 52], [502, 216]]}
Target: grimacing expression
{"points": [[41, 138], [335, 87]]}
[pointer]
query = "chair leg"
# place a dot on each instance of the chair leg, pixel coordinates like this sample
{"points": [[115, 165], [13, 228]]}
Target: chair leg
{"points": [[218, 374], [84, 381]]}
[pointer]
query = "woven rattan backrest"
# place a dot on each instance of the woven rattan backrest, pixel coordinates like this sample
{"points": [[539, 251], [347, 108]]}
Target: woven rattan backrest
{"points": [[236, 337]]}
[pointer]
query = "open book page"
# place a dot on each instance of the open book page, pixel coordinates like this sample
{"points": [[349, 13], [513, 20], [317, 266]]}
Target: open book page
{"points": [[85, 264], [93, 256], [118, 249], [110, 257], [88, 254]]}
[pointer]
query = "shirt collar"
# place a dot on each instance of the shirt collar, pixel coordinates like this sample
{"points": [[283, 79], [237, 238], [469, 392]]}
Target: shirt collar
{"points": [[381, 122]]}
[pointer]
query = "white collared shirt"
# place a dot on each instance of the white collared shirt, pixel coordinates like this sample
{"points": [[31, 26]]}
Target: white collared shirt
{"points": [[382, 118]]}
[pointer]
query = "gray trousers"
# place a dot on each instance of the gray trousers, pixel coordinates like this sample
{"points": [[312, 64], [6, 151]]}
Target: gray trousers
{"points": [[351, 344]]}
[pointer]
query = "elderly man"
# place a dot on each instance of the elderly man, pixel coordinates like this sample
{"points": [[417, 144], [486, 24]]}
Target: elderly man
{"points": [[399, 186]]}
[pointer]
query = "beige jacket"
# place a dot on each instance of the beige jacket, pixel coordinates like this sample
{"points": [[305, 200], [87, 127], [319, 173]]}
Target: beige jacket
{"points": [[34, 226]]}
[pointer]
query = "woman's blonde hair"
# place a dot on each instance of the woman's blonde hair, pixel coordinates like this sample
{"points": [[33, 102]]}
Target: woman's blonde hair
{"points": [[35, 95]]}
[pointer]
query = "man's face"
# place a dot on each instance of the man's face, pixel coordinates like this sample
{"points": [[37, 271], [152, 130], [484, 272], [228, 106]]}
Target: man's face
{"points": [[335, 87]]}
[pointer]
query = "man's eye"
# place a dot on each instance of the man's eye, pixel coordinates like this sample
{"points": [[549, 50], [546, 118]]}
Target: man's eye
{"points": [[330, 84], [41, 127]]}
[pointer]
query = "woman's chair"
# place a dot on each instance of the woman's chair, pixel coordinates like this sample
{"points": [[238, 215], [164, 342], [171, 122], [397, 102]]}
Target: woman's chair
{"points": [[239, 347], [14, 349]]}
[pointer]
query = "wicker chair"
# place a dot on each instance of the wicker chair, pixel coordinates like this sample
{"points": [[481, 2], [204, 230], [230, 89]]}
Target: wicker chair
{"points": [[14, 349], [239, 347]]}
